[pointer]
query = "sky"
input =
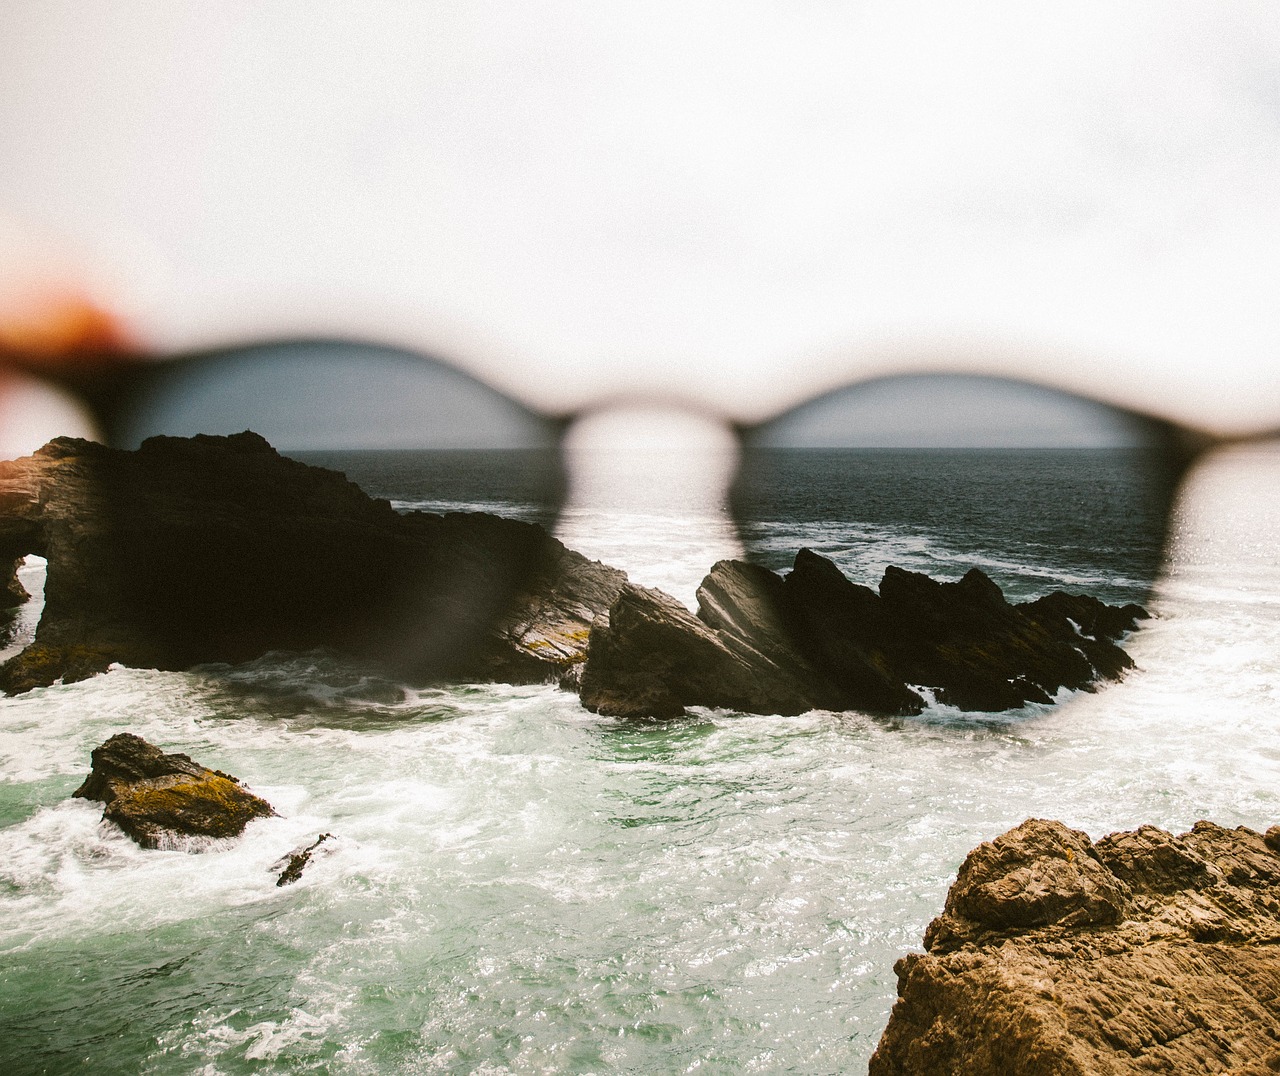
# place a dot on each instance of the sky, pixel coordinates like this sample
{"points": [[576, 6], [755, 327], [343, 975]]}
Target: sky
{"points": [[951, 411], [736, 205], [324, 396]]}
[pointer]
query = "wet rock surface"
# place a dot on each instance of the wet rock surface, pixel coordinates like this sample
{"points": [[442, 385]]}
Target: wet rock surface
{"points": [[651, 657], [218, 549], [290, 867], [165, 800], [766, 643], [12, 592], [1142, 952]]}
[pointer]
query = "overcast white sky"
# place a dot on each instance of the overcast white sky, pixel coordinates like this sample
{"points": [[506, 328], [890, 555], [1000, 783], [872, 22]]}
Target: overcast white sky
{"points": [[738, 203]]}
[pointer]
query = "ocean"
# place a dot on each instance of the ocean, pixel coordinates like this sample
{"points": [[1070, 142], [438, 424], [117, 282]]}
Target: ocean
{"points": [[520, 886]]}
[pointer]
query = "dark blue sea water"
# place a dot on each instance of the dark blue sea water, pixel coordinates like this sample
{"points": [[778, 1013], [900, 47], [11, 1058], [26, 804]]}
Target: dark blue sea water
{"points": [[1085, 519], [1034, 519], [519, 483]]}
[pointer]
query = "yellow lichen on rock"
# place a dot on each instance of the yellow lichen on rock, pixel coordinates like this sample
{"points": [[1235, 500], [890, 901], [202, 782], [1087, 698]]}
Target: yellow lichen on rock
{"points": [[157, 798]]}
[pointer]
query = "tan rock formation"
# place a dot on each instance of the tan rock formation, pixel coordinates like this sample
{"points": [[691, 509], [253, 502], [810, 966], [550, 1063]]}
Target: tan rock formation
{"points": [[1143, 952]]}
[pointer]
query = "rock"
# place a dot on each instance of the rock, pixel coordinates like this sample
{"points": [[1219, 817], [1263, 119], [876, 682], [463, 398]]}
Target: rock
{"points": [[1142, 952], [40, 665], [979, 652], [218, 549], [1088, 625], [840, 629], [164, 801], [1039, 874], [548, 620], [12, 592], [291, 865], [651, 657], [768, 644], [1149, 860]]}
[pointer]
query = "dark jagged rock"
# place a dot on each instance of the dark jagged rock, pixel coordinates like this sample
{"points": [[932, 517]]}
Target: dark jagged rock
{"points": [[218, 549], [840, 628], [744, 604], [163, 801], [1142, 952], [651, 656], [291, 866], [981, 653], [12, 592], [816, 640]]}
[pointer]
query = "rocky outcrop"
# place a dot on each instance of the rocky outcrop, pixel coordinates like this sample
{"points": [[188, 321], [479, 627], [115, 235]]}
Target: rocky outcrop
{"points": [[651, 657], [547, 621], [1141, 952], [218, 549], [764, 643], [167, 801]]}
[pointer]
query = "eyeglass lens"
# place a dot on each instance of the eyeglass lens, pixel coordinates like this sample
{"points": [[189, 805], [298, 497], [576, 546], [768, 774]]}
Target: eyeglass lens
{"points": [[404, 428], [226, 557], [946, 477]]}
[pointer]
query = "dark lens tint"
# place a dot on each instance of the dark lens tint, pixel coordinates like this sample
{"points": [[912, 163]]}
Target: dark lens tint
{"points": [[224, 550], [403, 427], [1038, 490]]}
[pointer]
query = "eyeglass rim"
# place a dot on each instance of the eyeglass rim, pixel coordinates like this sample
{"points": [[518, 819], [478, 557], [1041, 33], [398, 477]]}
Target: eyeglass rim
{"points": [[103, 381]]}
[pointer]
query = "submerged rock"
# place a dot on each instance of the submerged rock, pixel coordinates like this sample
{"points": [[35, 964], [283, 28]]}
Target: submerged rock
{"points": [[163, 801], [763, 643], [1142, 952], [290, 866], [218, 549]]}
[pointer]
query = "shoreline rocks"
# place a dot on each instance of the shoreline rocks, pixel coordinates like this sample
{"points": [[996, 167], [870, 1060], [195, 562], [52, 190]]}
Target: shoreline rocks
{"points": [[201, 550], [167, 801], [1140, 952], [812, 639], [218, 549]]}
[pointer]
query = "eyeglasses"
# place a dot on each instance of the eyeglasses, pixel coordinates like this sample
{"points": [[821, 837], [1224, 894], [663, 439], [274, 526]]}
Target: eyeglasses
{"points": [[178, 552]]}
